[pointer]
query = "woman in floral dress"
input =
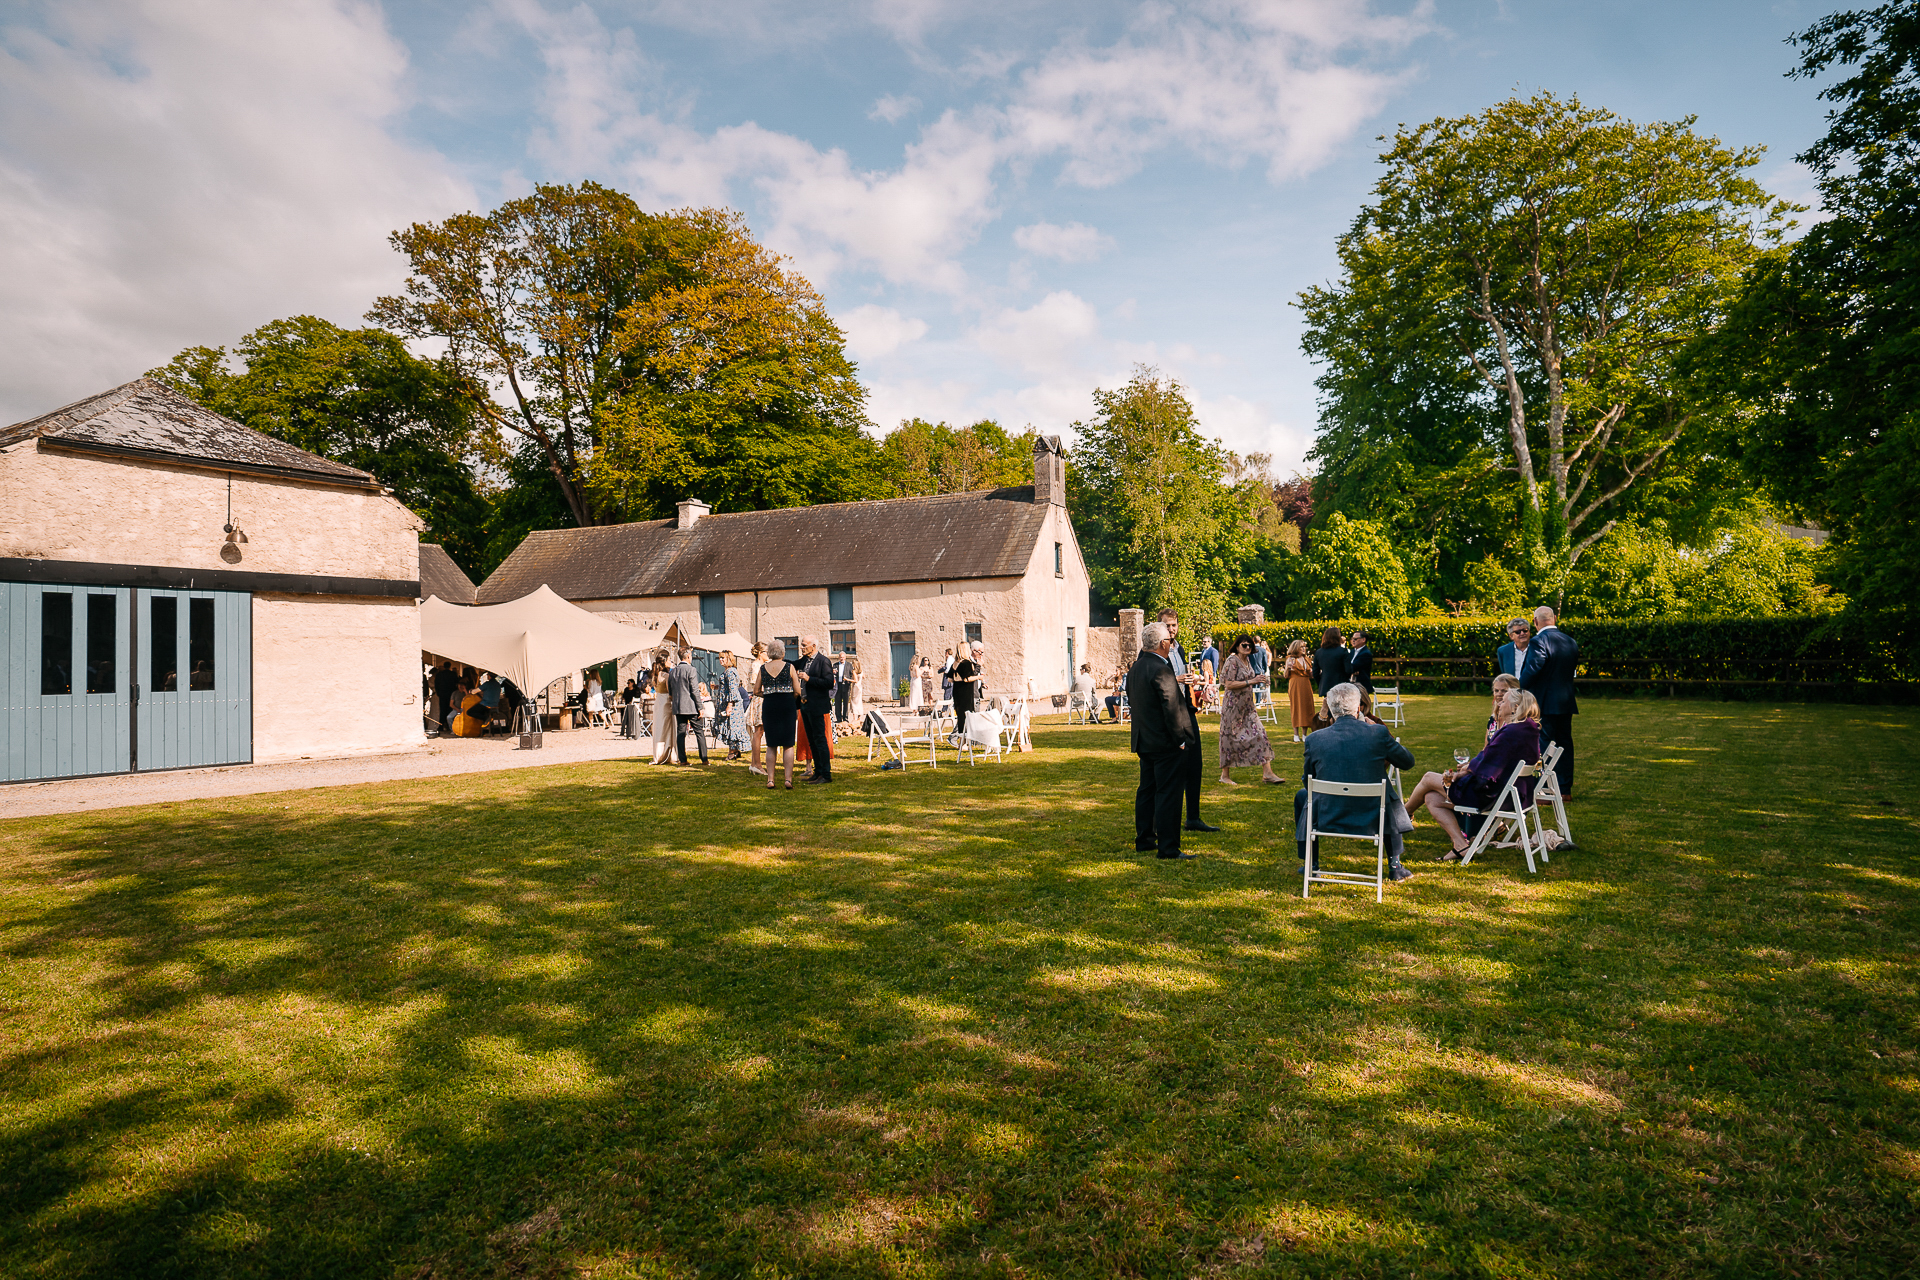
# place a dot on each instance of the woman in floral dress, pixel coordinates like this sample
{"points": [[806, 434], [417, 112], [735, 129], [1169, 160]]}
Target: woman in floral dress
{"points": [[730, 715], [1243, 739]]}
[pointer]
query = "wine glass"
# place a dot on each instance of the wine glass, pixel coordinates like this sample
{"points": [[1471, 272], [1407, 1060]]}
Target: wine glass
{"points": [[1460, 757]]}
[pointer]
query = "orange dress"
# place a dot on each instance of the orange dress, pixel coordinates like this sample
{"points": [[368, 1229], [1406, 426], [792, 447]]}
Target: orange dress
{"points": [[1300, 692]]}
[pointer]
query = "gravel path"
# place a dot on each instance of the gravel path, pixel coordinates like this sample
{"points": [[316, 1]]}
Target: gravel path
{"points": [[438, 758]]}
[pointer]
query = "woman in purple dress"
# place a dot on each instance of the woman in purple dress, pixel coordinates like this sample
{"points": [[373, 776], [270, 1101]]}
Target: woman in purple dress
{"points": [[1243, 739]]}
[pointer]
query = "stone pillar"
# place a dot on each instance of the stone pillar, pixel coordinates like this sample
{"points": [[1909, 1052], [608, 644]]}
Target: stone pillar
{"points": [[1250, 615], [1132, 622]]}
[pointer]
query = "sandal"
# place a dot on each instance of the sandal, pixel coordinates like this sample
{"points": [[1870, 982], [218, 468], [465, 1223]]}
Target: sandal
{"points": [[1454, 855]]}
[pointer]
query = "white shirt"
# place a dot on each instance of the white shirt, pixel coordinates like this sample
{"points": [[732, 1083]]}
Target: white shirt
{"points": [[1519, 659], [1174, 658]]}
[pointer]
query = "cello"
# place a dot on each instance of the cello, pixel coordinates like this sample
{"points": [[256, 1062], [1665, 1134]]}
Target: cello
{"points": [[471, 722]]}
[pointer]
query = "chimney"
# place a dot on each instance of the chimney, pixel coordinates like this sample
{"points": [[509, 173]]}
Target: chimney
{"points": [[1049, 471], [690, 512]]}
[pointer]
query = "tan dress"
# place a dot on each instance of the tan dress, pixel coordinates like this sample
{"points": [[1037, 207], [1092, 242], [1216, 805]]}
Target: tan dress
{"points": [[1300, 692]]}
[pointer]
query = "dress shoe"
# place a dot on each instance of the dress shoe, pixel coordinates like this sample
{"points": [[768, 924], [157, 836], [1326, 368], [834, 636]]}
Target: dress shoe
{"points": [[1197, 825], [1398, 874], [816, 778], [1177, 857], [1148, 847]]}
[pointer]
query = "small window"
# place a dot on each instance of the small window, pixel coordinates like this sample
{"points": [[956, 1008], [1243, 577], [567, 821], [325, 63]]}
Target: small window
{"points": [[56, 643], [973, 633], [103, 616], [842, 641], [790, 645], [713, 614], [1059, 561], [840, 604], [200, 643], [163, 644]]}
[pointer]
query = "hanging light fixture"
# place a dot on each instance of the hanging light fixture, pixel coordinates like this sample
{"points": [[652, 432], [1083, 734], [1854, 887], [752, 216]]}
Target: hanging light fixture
{"points": [[231, 551]]}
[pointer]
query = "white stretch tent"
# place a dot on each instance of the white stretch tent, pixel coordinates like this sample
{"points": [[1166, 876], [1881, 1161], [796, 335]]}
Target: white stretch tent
{"points": [[532, 641], [738, 645]]}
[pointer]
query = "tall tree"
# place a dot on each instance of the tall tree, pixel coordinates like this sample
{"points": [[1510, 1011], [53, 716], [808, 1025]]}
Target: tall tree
{"points": [[737, 388], [531, 297], [1525, 279], [358, 396], [1157, 520], [923, 457], [1825, 342]]}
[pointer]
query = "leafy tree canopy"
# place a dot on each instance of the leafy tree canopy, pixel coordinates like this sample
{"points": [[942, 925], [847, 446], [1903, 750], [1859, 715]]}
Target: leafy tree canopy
{"points": [[1350, 571], [1499, 354], [923, 458], [1825, 341], [358, 396]]}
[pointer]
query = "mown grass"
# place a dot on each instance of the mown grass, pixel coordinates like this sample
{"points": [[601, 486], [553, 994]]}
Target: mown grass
{"points": [[615, 1020]]}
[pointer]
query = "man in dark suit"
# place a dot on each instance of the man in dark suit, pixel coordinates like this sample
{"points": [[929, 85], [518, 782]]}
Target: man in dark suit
{"points": [[842, 685], [683, 694], [817, 673], [1195, 762], [1547, 674], [1351, 750], [1360, 668], [1513, 654], [1165, 736]]}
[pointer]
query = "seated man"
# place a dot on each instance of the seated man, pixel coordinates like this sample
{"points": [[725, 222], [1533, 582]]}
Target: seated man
{"points": [[1351, 750]]}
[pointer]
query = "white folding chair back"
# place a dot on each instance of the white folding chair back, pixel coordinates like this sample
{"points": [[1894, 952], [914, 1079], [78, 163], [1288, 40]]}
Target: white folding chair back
{"points": [[984, 735], [901, 740], [1505, 824], [1126, 712], [1309, 876], [1387, 704], [1078, 704], [1548, 790]]}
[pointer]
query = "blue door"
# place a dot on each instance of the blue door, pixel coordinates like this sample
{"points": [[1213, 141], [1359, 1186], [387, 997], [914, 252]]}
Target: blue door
{"points": [[195, 669], [66, 688], [900, 647]]}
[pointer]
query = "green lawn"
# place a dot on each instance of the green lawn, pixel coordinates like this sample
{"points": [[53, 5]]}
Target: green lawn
{"points": [[617, 1020]]}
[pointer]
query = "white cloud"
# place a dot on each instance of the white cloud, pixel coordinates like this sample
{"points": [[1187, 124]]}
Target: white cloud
{"points": [[1279, 81], [873, 331], [1075, 242], [179, 172], [1051, 337], [1246, 427], [891, 403], [892, 107]]}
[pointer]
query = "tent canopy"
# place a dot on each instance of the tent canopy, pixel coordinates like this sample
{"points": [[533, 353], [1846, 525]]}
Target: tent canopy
{"points": [[679, 634], [532, 641]]}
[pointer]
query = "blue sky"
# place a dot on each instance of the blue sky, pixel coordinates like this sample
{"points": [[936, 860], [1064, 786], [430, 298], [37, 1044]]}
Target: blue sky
{"points": [[1005, 205]]}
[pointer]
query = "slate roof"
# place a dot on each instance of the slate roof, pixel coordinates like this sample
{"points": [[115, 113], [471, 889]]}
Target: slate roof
{"points": [[948, 537], [440, 576], [149, 420]]}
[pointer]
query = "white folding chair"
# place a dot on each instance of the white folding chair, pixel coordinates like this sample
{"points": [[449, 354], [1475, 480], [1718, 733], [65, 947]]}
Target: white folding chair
{"points": [[1264, 705], [1548, 789], [900, 740], [1309, 876], [1078, 704], [984, 735], [1126, 712], [1019, 732], [1505, 824], [1387, 705]]}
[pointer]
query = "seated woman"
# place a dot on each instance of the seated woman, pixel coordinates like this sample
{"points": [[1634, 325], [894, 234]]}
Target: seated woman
{"points": [[1119, 687], [1479, 784]]}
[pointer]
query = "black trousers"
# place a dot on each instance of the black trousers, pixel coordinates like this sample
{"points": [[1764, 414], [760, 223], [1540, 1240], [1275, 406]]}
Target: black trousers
{"points": [[680, 726], [1156, 803], [813, 718], [840, 695], [1560, 729], [1196, 771]]}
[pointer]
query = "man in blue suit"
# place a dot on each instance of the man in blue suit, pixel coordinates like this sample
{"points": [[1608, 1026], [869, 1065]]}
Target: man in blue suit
{"points": [[1351, 750], [1547, 673], [1513, 653]]}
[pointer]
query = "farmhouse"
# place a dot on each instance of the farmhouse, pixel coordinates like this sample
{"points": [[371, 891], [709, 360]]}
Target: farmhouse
{"points": [[179, 590], [887, 580]]}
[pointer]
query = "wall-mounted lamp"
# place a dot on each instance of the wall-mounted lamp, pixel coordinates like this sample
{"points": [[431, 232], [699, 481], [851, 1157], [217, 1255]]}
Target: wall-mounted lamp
{"points": [[231, 551]]}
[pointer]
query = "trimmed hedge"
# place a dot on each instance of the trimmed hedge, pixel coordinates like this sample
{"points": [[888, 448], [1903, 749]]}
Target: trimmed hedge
{"points": [[1796, 657]]}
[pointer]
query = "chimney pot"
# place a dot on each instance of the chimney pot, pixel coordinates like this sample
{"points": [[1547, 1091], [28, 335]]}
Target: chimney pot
{"points": [[1049, 471], [691, 509]]}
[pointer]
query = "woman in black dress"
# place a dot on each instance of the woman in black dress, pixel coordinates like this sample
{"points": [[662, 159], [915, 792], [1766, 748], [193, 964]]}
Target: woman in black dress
{"points": [[966, 686], [779, 710]]}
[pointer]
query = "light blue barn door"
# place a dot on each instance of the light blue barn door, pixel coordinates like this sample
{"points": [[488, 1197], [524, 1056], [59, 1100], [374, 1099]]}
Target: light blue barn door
{"points": [[195, 668], [66, 686]]}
